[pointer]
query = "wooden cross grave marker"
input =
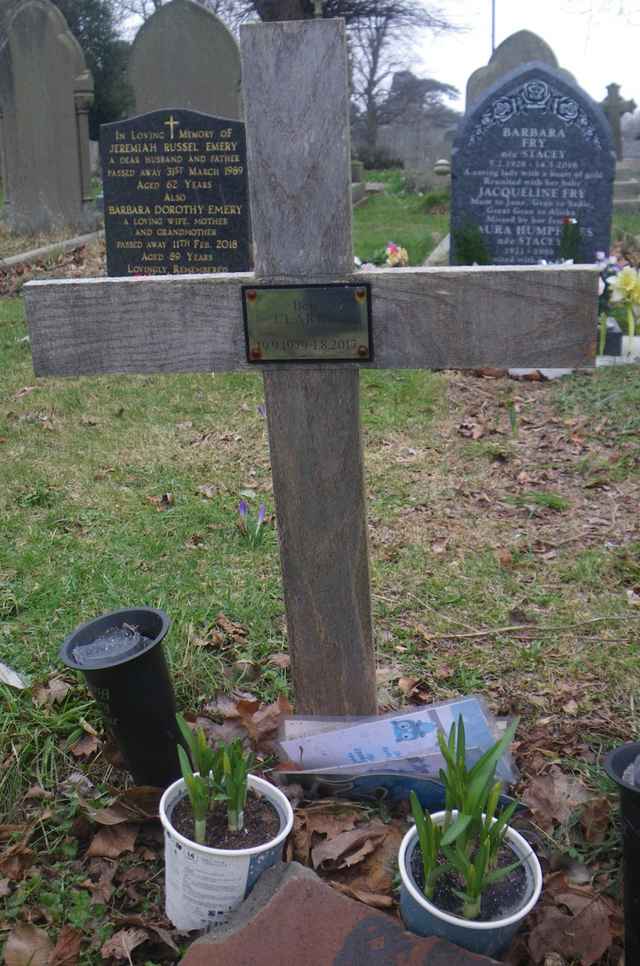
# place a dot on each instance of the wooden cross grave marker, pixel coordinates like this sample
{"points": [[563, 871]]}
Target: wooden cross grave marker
{"points": [[297, 115]]}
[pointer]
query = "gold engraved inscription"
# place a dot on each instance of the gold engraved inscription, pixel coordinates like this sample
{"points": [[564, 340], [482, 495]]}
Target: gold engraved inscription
{"points": [[175, 196]]}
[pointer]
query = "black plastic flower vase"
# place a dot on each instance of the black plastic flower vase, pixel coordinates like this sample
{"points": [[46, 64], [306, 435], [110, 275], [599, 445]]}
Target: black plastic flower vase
{"points": [[123, 661], [616, 763]]}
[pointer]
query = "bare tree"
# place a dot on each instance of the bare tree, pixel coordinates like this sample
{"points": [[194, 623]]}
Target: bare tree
{"points": [[381, 45]]}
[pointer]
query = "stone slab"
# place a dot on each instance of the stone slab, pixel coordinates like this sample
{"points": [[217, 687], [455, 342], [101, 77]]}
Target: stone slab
{"points": [[358, 192], [626, 204], [440, 254], [48, 251], [626, 189], [628, 168], [292, 918]]}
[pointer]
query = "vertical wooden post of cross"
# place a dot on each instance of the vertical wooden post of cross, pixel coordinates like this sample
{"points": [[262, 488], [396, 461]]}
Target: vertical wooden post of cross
{"points": [[297, 111]]}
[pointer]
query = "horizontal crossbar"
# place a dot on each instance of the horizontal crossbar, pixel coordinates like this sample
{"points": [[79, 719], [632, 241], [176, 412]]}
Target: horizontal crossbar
{"points": [[423, 318]]}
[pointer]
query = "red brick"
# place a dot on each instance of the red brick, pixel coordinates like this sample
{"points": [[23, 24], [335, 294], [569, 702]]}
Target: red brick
{"points": [[293, 919]]}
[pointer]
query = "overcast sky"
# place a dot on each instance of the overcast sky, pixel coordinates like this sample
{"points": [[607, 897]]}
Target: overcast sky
{"points": [[598, 46]]}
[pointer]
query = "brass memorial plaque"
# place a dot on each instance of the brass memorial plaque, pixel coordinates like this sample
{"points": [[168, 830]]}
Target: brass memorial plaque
{"points": [[307, 323]]}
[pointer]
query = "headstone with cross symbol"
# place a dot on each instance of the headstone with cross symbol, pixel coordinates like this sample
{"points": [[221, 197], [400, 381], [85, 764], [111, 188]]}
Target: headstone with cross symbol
{"points": [[297, 105], [614, 107]]}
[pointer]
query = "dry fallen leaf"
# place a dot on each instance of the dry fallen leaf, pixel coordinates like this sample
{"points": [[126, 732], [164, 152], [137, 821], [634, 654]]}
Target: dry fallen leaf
{"points": [[143, 801], [236, 632], [583, 937], [27, 946], [595, 819], [263, 724], [114, 814], [54, 691], [15, 861], [554, 797], [5, 888], [37, 792], [208, 491], [85, 746], [67, 948], [122, 943], [407, 685], [111, 841], [324, 818], [471, 429], [164, 502], [102, 890], [348, 847], [369, 898], [283, 661], [505, 558]]}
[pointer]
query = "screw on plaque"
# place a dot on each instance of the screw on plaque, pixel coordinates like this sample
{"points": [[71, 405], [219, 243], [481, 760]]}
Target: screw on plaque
{"points": [[252, 295], [255, 353], [361, 294], [363, 350]]}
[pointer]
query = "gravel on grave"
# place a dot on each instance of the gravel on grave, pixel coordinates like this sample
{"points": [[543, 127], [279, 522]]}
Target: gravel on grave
{"points": [[499, 900], [261, 824]]}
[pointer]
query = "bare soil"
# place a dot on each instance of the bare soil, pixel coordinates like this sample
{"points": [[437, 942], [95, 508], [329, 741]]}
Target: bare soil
{"points": [[261, 824]]}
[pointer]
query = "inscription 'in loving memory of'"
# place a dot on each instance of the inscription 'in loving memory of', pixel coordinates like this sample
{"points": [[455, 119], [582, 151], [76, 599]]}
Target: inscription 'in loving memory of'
{"points": [[175, 194], [529, 157]]}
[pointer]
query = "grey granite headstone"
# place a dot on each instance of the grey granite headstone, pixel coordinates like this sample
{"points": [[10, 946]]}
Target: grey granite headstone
{"points": [[534, 151], [45, 94], [185, 57], [520, 48]]}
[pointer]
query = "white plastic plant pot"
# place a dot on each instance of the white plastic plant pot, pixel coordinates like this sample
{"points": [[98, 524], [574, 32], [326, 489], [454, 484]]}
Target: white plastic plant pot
{"points": [[489, 938], [204, 885]]}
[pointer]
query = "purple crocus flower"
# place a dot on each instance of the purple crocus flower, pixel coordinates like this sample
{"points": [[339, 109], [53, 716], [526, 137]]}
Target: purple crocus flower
{"points": [[262, 512], [262, 411], [243, 510]]}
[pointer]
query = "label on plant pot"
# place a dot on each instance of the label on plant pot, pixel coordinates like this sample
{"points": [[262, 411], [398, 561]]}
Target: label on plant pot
{"points": [[202, 889], [204, 885]]}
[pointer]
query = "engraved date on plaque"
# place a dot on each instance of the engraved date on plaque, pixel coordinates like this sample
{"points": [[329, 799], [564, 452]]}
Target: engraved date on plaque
{"points": [[307, 323]]}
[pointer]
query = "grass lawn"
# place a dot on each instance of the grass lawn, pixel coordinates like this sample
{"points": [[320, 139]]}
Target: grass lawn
{"points": [[505, 556]]}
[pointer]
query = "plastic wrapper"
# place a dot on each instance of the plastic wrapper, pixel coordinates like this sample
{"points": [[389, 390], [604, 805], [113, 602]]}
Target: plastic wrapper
{"points": [[404, 742]]}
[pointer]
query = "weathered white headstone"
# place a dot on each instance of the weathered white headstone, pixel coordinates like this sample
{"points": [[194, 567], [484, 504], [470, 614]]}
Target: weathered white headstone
{"points": [[420, 318], [185, 57], [45, 94], [520, 48]]}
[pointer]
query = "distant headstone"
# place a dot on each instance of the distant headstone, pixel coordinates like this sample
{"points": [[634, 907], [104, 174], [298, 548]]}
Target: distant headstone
{"points": [[614, 107], [520, 48], [184, 56], [175, 194], [533, 152], [45, 94]]}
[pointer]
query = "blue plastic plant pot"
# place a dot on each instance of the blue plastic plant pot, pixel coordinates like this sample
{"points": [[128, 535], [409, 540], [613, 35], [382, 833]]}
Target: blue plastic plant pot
{"points": [[488, 938], [130, 681], [615, 765]]}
